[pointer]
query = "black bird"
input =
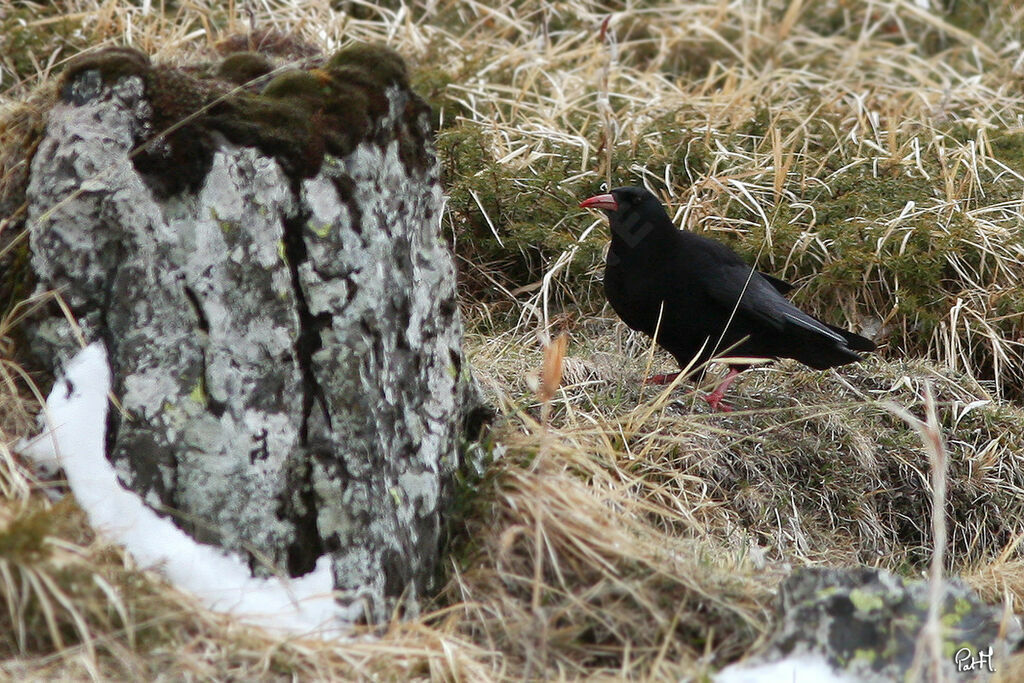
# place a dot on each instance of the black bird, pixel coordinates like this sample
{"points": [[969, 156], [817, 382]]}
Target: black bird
{"points": [[704, 301]]}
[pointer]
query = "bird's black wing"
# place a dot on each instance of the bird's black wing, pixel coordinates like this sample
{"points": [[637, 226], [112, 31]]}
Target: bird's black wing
{"points": [[759, 300], [781, 286], [728, 279]]}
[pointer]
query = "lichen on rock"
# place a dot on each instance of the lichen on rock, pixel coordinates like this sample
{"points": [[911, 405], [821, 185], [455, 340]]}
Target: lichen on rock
{"points": [[866, 623], [264, 264]]}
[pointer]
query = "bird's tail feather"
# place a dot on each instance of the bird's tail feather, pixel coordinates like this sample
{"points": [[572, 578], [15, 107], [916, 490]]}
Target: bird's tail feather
{"points": [[854, 341], [821, 352]]}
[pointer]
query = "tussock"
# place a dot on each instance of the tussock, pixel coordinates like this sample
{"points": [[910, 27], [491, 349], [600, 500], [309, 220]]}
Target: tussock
{"points": [[868, 152]]}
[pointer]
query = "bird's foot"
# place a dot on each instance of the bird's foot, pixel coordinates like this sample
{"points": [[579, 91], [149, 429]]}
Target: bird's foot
{"points": [[662, 379], [715, 401]]}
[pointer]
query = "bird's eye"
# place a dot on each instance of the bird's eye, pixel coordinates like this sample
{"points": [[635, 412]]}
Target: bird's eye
{"points": [[604, 187]]}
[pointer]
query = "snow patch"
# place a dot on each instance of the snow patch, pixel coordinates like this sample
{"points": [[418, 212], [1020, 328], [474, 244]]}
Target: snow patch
{"points": [[76, 415], [799, 669]]}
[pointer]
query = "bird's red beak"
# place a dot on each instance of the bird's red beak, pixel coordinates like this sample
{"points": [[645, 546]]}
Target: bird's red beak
{"points": [[600, 201]]}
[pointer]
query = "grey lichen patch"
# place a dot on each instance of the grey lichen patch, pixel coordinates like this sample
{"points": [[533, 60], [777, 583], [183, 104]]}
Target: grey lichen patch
{"points": [[867, 622], [280, 314], [387, 279]]}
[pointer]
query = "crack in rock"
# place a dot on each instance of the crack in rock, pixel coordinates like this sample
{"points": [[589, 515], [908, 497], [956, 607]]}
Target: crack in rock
{"points": [[282, 323]]}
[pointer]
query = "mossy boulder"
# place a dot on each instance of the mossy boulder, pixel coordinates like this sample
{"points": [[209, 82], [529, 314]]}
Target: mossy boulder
{"points": [[265, 269]]}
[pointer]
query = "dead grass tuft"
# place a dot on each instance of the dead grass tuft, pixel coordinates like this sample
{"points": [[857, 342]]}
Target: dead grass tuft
{"points": [[565, 572]]}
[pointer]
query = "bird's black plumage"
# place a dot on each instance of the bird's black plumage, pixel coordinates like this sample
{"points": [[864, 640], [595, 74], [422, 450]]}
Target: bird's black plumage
{"points": [[709, 301]]}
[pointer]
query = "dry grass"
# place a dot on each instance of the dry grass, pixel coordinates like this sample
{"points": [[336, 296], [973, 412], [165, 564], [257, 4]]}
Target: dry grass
{"points": [[869, 152]]}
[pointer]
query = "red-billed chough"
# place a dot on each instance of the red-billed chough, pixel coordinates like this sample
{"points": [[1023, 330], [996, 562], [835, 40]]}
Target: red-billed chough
{"points": [[710, 303]]}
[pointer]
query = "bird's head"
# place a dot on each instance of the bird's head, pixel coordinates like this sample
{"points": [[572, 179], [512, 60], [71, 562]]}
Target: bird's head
{"points": [[633, 214], [621, 200]]}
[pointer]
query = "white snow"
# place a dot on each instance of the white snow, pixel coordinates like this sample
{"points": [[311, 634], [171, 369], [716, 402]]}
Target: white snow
{"points": [[76, 414], [801, 669]]}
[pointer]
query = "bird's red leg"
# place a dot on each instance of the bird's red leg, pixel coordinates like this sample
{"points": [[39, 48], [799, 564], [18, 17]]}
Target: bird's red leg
{"points": [[714, 399], [661, 379]]}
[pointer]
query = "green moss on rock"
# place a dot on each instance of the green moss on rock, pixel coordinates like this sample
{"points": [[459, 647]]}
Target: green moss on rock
{"points": [[112, 64], [298, 117], [376, 63], [297, 83], [243, 67]]}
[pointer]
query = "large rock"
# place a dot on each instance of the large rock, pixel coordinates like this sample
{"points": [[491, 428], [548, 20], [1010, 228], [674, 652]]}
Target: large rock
{"points": [[865, 624], [266, 269]]}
